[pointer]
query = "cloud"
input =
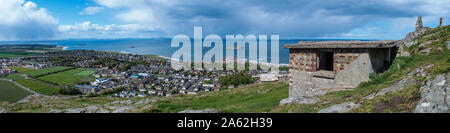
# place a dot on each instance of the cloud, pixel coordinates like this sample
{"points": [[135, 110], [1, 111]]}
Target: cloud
{"points": [[91, 10], [290, 18], [22, 20], [89, 30]]}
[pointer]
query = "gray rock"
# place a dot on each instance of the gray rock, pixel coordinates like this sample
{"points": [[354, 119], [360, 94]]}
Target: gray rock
{"points": [[425, 44], [95, 109], [77, 110], [200, 111], [301, 100], [397, 86], [340, 108], [56, 111], [426, 51], [403, 52], [121, 109], [420, 71], [126, 102], [410, 43], [146, 101], [434, 96], [287, 101]]}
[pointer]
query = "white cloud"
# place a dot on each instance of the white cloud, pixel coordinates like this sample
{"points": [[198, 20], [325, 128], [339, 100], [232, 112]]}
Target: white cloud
{"points": [[92, 10], [22, 20], [89, 30]]}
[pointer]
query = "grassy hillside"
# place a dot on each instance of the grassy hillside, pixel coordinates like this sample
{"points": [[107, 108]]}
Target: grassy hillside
{"points": [[254, 98]]}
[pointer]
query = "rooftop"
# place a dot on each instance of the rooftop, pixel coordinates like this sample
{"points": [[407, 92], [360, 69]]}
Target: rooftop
{"points": [[342, 44]]}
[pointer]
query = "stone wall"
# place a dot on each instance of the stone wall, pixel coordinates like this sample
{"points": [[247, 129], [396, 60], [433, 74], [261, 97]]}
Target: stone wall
{"points": [[343, 57], [302, 59], [355, 72]]}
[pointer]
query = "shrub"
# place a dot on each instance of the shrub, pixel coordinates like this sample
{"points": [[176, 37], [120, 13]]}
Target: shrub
{"points": [[69, 91]]}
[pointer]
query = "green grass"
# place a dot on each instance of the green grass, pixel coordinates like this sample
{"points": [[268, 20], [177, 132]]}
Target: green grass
{"points": [[66, 77], [254, 98], [10, 92], [85, 73], [10, 55], [21, 69], [14, 76], [5, 54], [46, 71], [38, 86]]}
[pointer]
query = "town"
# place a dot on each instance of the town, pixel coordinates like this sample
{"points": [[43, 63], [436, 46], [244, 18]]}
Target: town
{"points": [[94, 73]]}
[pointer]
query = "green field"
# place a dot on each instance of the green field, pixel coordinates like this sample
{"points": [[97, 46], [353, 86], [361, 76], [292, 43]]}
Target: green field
{"points": [[85, 73], [5, 54], [38, 86], [10, 55], [67, 77], [14, 76], [46, 71], [11, 92], [21, 69]]}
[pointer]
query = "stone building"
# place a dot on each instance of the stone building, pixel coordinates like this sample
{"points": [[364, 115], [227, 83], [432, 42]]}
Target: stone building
{"points": [[317, 67]]}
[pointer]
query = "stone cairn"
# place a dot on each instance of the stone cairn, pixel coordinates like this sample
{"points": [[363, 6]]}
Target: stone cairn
{"points": [[419, 24], [440, 22]]}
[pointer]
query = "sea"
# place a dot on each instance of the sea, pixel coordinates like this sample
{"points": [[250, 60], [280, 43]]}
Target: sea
{"points": [[154, 46]]}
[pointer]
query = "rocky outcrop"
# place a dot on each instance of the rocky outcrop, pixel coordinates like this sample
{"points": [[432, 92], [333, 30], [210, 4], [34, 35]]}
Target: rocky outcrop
{"points": [[77, 110], [340, 108], [113, 107], [409, 40], [301, 100], [435, 95], [200, 111], [402, 84]]}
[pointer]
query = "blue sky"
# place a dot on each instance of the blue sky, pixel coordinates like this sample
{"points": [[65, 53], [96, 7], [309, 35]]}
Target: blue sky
{"points": [[325, 19]]}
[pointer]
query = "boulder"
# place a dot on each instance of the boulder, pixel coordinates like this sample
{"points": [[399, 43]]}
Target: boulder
{"points": [[301, 100], [200, 111], [426, 51], [340, 108], [77, 110], [126, 102], [121, 109], [403, 52], [397, 86], [434, 96], [425, 44], [95, 109]]}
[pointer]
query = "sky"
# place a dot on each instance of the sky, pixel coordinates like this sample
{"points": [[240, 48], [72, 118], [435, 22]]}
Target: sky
{"points": [[291, 19]]}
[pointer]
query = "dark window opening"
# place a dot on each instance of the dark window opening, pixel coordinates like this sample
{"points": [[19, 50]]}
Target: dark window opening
{"points": [[326, 61]]}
